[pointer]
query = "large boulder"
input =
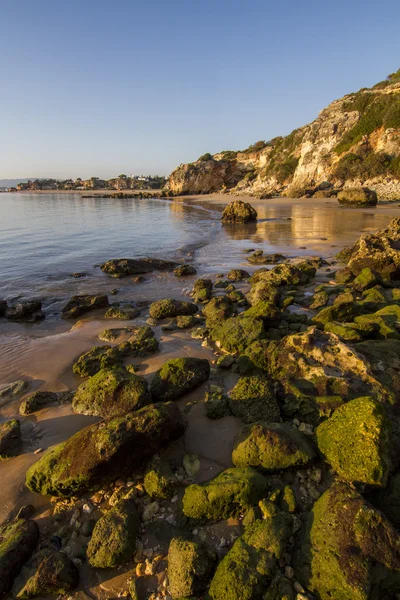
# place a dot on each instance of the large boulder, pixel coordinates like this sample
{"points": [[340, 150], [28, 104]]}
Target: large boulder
{"points": [[348, 549], [228, 495], [179, 376], [101, 452], [190, 567], [253, 399], [249, 569], [18, 540], [263, 291], [110, 393], [239, 212], [10, 438], [236, 334], [47, 573], [355, 441], [217, 310], [286, 274], [161, 309], [28, 312], [358, 197], [79, 305], [36, 401], [113, 539], [123, 267], [271, 447]]}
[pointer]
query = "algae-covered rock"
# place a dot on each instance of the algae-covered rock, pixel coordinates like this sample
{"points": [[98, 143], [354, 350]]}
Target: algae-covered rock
{"points": [[366, 279], [217, 310], [100, 452], [111, 392], [184, 270], [267, 311], [286, 274], [373, 299], [388, 500], [342, 312], [124, 313], [355, 441], [10, 438], [248, 571], [263, 291], [179, 376], [37, 401], [235, 334], [186, 321], [344, 331], [320, 299], [113, 539], [217, 405], [253, 399], [259, 258], [202, 290], [47, 573], [239, 212], [255, 358], [159, 480], [123, 267], [92, 361], [27, 312], [79, 305], [18, 540], [344, 276], [358, 197], [237, 275], [229, 494], [272, 446], [190, 567], [384, 324], [348, 549], [161, 309]]}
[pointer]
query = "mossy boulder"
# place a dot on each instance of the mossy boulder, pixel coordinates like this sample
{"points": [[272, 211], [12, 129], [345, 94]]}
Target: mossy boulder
{"points": [[263, 291], [178, 377], [259, 258], [373, 299], [110, 393], [253, 399], [358, 197], [186, 321], [271, 447], [184, 271], [95, 359], [235, 334], [113, 539], [249, 569], [237, 275], [79, 305], [123, 267], [342, 312], [202, 290], [344, 276], [267, 311], [254, 359], [190, 567], [10, 438], [217, 310], [286, 274], [239, 212], [47, 573], [384, 323], [347, 549], [26, 312], [159, 480], [355, 441], [344, 331], [37, 401], [365, 280], [101, 452], [217, 405], [18, 540], [161, 309], [228, 495], [124, 313], [319, 300], [388, 500]]}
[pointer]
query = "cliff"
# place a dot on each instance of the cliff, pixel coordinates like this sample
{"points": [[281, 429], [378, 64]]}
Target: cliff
{"points": [[354, 141]]}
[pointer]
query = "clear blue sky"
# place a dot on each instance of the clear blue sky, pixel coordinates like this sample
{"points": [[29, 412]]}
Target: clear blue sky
{"points": [[101, 87]]}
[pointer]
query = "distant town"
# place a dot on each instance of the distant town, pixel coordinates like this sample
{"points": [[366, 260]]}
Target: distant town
{"points": [[122, 182]]}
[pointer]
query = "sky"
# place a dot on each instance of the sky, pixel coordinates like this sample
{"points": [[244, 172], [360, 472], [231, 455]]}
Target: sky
{"points": [[102, 87]]}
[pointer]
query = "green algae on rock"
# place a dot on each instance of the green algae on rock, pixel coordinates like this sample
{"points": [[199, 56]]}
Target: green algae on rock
{"points": [[263, 291], [168, 307], [239, 212], [217, 310], [267, 311], [365, 280], [113, 539], [320, 299], [286, 274], [18, 540], [179, 376], [97, 454], [388, 500], [253, 399], [47, 573], [37, 401], [347, 549], [79, 305], [228, 495], [271, 447], [345, 331], [342, 312], [202, 290], [186, 321], [190, 567], [217, 405], [123, 267], [254, 359], [110, 393], [159, 480], [184, 270], [237, 275], [359, 197], [235, 334], [355, 441], [248, 570], [10, 438]]}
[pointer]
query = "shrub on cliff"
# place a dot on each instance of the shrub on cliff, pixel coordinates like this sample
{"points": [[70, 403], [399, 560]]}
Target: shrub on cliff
{"points": [[206, 156]]}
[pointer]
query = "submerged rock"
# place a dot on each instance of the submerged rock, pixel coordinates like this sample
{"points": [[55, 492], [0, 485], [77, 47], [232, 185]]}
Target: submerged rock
{"points": [[124, 313], [13, 390], [28, 312], [122, 267], [179, 376], [113, 539], [79, 305], [253, 399], [361, 197], [47, 573], [259, 258], [10, 438], [97, 454], [271, 447], [250, 567], [229, 494], [355, 441], [37, 401], [184, 270], [161, 309], [110, 393], [3, 307], [239, 212], [18, 540], [190, 567]]}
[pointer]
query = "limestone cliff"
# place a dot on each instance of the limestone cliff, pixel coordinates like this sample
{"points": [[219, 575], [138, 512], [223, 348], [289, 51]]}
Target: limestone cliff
{"points": [[354, 141]]}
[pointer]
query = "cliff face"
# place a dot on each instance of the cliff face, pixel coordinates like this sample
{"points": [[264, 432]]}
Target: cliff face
{"points": [[354, 141]]}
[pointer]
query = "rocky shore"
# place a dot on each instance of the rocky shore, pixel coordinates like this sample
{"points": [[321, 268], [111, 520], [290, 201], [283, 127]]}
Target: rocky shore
{"points": [[257, 461]]}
